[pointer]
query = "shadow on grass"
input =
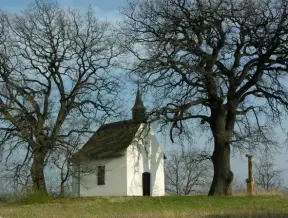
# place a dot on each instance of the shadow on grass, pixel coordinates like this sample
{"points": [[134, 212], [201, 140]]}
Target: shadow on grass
{"points": [[250, 215]]}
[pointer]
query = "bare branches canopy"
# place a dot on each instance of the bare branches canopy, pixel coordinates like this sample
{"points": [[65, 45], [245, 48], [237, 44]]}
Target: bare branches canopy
{"points": [[187, 172], [267, 176], [223, 62], [55, 79]]}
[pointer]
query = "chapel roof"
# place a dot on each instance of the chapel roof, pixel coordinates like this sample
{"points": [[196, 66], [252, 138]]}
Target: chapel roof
{"points": [[110, 140]]}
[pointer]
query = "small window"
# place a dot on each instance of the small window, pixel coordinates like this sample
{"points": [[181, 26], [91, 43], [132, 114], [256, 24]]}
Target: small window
{"points": [[101, 175]]}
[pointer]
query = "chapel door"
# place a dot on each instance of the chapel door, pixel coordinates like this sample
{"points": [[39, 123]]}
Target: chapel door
{"points": [[146, 184]]}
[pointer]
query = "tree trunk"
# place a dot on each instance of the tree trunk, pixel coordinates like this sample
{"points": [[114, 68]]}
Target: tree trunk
{"points": [[37, 172], [223, 176], [62, 190]]}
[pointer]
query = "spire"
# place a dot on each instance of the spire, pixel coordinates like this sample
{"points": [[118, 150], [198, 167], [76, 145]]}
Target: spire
{"points": [[138, 101], [139, 110]]}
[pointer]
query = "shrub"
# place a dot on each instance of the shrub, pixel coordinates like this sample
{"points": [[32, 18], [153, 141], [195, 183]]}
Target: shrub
{"points": [[34, 197]]}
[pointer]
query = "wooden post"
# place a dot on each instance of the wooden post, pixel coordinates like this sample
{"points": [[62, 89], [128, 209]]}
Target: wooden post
{"points": [[250, 180]]}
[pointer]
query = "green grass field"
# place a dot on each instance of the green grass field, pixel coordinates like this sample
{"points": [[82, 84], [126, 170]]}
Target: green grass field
{"points": [[170, 206]]}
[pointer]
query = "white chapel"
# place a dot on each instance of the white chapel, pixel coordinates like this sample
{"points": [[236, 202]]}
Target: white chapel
{"points": [[121, 159]]}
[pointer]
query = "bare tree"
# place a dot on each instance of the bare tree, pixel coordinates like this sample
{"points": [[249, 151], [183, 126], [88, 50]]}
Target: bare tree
{"points": [[60, 161], [221, 62], [267, 176], [187, 172], [239, 186], [55, 72]]}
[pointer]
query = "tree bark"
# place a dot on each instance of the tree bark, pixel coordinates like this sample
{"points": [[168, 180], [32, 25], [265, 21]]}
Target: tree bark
{"points": [[223, 176], [62, 190], [37, 172], [222, 125]]}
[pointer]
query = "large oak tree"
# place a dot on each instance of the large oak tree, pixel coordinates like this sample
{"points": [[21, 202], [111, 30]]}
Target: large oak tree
{"points": [[222, 62], [55, 80]]}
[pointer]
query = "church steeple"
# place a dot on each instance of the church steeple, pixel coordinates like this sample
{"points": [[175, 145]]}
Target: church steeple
{"points": [[139, 110]]}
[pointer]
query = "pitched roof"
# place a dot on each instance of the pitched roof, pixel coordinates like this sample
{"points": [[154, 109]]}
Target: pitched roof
{"points": [[110, 140]]}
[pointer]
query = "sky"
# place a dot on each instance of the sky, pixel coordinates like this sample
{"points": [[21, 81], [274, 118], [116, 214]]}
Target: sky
{"points": [[109, 9], [105, 5]]}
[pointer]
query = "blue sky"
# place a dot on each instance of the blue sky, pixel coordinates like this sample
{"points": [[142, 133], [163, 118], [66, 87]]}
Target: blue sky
{"points": [[108, 9], [102, 4]]}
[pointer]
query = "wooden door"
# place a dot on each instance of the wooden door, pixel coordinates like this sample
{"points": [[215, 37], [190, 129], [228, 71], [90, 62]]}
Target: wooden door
{"points": [[146, 184]]}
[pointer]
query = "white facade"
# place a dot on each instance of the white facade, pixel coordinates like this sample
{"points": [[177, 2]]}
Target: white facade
{"points": [[123, 175], [115, 178]]}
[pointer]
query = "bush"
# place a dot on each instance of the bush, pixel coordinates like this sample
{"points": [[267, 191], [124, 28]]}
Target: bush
{"points": [[32, 197]]}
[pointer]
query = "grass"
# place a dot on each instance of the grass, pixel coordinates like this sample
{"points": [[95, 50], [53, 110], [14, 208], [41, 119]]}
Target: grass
{"points": [[169, 206]]}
